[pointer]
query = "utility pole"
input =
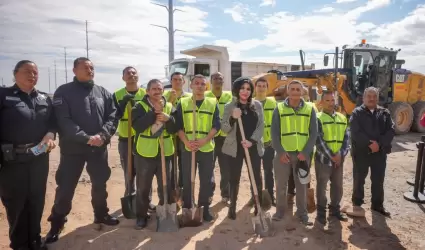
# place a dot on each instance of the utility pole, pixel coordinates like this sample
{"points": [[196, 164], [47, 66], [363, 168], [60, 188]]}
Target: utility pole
{"points": [[48, 70], [170, 29], [87, 40], [2, 84], [66, 70], [56, 84]]}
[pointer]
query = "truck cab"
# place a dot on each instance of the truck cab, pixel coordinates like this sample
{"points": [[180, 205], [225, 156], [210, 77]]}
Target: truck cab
{"points": [[207, 60]]}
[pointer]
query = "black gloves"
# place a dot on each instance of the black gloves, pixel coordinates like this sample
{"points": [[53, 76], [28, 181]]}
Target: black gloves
{"points": [[125, 100]]}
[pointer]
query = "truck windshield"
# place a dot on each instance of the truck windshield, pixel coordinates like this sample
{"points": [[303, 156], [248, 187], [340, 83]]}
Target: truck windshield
{"points": [[366, 62], [179, 67]]}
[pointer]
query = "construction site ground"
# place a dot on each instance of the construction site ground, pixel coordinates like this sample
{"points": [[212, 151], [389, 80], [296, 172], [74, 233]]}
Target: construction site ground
{"points": [[405, 230]]}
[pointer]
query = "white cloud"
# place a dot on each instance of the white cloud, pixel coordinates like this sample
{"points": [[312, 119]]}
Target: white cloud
{"points": [[241, 13], [319, 33], [268, 3], [325, 10], [188, 1], [345, 1], [120, 34]]}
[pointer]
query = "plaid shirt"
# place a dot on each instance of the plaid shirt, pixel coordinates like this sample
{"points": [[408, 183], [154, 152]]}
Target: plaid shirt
{"points": [[323, 153]]}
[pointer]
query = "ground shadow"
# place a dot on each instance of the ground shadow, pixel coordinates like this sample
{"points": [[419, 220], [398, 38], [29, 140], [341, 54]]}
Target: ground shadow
{"points": [[125, 237], [375, 236], [405, 142]]}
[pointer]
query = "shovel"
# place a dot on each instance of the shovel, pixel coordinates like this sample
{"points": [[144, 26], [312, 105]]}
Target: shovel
{"points": [[193, 217], [175, 193], [262, 223], [166, 215], [128, 202]]}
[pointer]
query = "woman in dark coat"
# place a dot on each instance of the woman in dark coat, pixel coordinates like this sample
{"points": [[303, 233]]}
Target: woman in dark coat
{"points": [[251, 112]]}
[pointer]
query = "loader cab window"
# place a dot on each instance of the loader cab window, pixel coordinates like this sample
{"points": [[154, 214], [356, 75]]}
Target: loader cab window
{"points": [[382, 73], [202, 69], [361, 62]]}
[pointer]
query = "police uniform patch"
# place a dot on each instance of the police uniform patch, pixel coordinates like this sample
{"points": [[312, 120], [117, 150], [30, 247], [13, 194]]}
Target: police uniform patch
{"points": [[57, 101], [13, 98]]}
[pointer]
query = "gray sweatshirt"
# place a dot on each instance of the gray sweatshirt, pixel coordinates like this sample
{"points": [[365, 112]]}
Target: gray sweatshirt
{"points": [[276, 135]]}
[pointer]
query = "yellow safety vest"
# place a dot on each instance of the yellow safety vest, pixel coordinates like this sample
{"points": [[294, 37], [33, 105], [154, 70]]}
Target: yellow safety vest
{"points": [[204, 120], [269, 106], [167, 95], [333, 129], [146, 145], [123, 123], [294, 126], [226, 97]]}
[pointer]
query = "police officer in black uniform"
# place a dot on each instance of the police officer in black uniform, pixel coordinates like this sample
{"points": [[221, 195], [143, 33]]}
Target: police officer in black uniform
{"points": [[85, 114], [27, 122]]}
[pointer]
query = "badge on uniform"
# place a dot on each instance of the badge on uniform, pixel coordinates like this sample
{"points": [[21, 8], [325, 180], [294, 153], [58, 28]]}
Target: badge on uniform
{"points": [[57, 101], [13, 98]]}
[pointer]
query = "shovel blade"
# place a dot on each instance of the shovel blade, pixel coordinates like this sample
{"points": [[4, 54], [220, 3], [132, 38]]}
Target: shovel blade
{"points": [[128, 206], [262, 224], [192, 217], [166, 216]]}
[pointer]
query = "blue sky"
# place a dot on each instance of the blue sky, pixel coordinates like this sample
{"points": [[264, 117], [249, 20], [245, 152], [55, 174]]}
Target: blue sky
{"points": [[121, 34]]}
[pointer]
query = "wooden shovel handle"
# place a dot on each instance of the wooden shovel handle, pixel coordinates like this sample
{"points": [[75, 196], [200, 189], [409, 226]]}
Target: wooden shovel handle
{"points": [[193, 172], [248, 162], [163, 168], [129, 144]]}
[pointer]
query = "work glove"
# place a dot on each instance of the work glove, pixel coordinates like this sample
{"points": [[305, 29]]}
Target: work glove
{"points": [[125, 100]]}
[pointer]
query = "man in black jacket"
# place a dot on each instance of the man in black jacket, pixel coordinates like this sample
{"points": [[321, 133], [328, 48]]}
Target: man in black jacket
{"points": [[372, 132], [85, 114]]}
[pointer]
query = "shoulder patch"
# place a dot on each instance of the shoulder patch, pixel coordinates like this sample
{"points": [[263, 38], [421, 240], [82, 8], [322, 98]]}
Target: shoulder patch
{"points": [[57, 101]]}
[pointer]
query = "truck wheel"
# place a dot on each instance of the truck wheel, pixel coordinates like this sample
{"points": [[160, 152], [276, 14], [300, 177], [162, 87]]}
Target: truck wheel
{"points": [[418, 112], [402, 115]]}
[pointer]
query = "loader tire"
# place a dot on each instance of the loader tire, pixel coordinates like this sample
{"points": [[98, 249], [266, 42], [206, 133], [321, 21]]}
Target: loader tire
{"points": [[402, 115], [418, 112]]}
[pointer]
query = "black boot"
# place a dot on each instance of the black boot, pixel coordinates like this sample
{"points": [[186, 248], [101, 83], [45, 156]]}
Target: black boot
{"points": [[207, 214], [141, 223], [56, 226], [234, 190], [106, 220]]}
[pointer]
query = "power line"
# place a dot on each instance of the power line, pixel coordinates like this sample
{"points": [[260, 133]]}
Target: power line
{"points": [[170, 29], [66, 70], [48, 70], [56, 84], [87, 40]]}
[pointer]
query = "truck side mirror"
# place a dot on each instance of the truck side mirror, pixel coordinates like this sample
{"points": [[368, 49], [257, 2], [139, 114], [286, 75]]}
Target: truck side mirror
{"points": [[326, 60], [358, 60]]}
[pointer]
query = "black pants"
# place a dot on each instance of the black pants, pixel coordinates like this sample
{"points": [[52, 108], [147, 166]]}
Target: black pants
{"points": [[224, 167], [268, 170], [361, 163], [129, 182], [22, 192], [179, 164], [235, 169], [67, 176], [204, 162], [146, 169]]}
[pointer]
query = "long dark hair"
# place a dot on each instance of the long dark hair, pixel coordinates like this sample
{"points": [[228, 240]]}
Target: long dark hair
{"points": [[236, 87]]}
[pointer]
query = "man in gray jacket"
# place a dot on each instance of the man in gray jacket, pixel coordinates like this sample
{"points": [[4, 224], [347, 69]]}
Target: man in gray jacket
{"points": [[294, 133]]}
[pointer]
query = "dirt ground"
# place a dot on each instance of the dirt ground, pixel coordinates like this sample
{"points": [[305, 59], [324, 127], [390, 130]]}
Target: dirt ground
{"points": [[403, 231]]}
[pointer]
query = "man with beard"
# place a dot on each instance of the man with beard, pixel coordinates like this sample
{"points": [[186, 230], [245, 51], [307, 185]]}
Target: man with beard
{"points": [[128, 95], [151, 119], [85, 115], [223, 97]]}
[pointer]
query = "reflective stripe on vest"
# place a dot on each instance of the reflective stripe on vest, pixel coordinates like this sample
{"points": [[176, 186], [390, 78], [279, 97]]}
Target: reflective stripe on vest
{"points": [[333, 129], [226, 97], [123, 123], [294, 126], [204, 120], [269, 106], [147, 146], [167, 95]]}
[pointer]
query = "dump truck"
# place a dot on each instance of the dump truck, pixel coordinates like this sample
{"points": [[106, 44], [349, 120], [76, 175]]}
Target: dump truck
{"points": [[208, 59], [363, 65]]}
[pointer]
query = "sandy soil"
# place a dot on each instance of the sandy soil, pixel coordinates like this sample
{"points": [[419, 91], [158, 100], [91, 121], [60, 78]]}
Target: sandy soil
{"points": [[402, 231]]}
